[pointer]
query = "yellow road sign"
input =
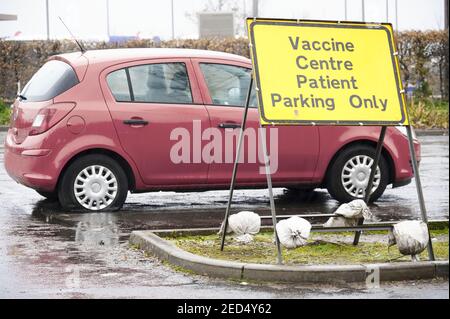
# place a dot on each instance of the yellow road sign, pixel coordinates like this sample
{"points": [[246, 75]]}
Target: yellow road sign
{"points": [[318, 72]]}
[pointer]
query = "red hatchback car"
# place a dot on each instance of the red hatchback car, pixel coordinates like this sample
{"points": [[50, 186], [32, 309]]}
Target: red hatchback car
{"points": [[89, 127]]}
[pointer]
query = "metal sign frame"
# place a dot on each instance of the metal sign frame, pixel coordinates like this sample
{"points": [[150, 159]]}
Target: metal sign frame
{"points": [[268, 176], [375, 163]]}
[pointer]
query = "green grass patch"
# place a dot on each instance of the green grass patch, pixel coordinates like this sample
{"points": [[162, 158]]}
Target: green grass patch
{"points": [[429, 113], [318, 251], [434, 231], [5, 113]]}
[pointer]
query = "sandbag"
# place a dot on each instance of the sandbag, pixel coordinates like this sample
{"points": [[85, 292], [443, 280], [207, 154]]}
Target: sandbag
{"points": [[341, 222], [411, 237], [293, 232], [355, 209], [349, 214], [244, 225]]}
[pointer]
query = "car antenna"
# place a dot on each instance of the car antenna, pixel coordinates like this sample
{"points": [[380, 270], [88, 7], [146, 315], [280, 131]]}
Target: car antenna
{"points": [[82, 49]]}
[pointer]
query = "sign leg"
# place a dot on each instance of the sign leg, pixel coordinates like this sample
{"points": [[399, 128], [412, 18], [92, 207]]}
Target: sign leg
{"points": [[423, 210], [269, 186], [236, 162], [373, 170]]}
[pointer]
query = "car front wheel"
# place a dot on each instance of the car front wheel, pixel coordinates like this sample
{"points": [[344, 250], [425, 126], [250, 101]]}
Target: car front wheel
{"points": [[93, 182], [349, 174]]}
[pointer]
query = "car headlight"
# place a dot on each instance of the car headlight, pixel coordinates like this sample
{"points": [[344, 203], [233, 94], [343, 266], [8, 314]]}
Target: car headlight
{"points": [[403, 131]]}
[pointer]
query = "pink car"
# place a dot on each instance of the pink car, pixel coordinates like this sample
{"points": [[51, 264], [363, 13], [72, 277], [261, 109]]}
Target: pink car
{"points": [[88, 128]]}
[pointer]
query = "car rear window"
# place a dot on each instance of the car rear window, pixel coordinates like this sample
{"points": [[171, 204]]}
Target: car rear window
{"points": [[118, 83], [52, 79]]}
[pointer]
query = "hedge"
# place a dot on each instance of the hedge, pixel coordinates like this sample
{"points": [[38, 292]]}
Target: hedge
{"points": [[423, 57]]}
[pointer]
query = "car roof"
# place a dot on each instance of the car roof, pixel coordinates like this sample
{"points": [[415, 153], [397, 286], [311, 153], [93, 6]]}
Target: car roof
{"points": [[114, 56]]}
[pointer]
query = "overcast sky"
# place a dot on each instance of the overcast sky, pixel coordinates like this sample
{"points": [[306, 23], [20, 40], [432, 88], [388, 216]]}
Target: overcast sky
{"points": [[148, 18]]}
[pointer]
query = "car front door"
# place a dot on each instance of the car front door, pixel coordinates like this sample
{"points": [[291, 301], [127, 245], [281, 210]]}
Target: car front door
{"points": [[156, 107], [293, 150]]}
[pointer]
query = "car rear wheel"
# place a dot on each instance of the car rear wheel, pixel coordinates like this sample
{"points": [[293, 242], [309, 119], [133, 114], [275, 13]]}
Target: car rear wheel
{"points": [[348, 176], [94, 183]]}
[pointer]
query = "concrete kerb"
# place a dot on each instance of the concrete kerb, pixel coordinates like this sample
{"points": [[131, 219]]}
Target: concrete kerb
{"points": [[149, 241], [164, 250], [441, 269]]}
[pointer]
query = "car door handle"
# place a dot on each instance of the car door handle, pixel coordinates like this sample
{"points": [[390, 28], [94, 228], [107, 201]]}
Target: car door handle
{"points": [[135, 122], [229, 125]]}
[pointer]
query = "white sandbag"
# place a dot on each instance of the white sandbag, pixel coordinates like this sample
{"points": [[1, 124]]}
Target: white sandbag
{"points": [[355, 209], [349, 214], [293, 232], [340, 221], [411, 237], [244, 222]]}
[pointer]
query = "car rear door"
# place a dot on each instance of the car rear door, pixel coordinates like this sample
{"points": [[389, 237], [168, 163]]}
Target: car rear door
{"points": [[155, 106], [225, 114], [294, 150]]}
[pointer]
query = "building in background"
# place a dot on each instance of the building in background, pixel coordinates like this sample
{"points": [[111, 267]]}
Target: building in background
{"points": [[8, 17], [216, 25]]}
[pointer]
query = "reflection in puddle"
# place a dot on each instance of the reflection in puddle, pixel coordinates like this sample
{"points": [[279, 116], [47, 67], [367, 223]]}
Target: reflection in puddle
{"points": [[97, 230]]}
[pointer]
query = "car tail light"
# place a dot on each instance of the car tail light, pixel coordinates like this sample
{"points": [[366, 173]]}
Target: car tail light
{"points": [[49, 116], [13, 116]]}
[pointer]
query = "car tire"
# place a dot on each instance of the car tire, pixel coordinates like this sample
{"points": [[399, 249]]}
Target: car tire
{"points": [[53, 196], [93, 182], [351, 168]]}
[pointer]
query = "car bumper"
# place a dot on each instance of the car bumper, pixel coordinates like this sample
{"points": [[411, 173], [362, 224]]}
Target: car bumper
{"points": [[402, 160], [30, 166], [400, 183]]}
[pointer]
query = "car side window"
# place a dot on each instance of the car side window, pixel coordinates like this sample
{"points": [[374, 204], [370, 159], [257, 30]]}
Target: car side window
{"points": [[160, 83], [151, 83], [118, 84], [228, 84]]}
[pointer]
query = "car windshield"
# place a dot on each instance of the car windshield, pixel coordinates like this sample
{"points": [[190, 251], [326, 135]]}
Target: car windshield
{"points": [[52, 79]]}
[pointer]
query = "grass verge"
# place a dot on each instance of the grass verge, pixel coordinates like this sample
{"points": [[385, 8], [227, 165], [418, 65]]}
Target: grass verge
{"points": [[320, 250], [5, 112], [428, 113]]}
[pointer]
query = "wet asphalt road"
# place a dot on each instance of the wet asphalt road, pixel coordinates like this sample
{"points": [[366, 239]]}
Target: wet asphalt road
{"points": [[46, 252]]}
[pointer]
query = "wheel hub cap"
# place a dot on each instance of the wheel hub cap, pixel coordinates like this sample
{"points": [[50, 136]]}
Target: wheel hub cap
{"points": [[361, 176], [95, 187], [355, 175]]}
